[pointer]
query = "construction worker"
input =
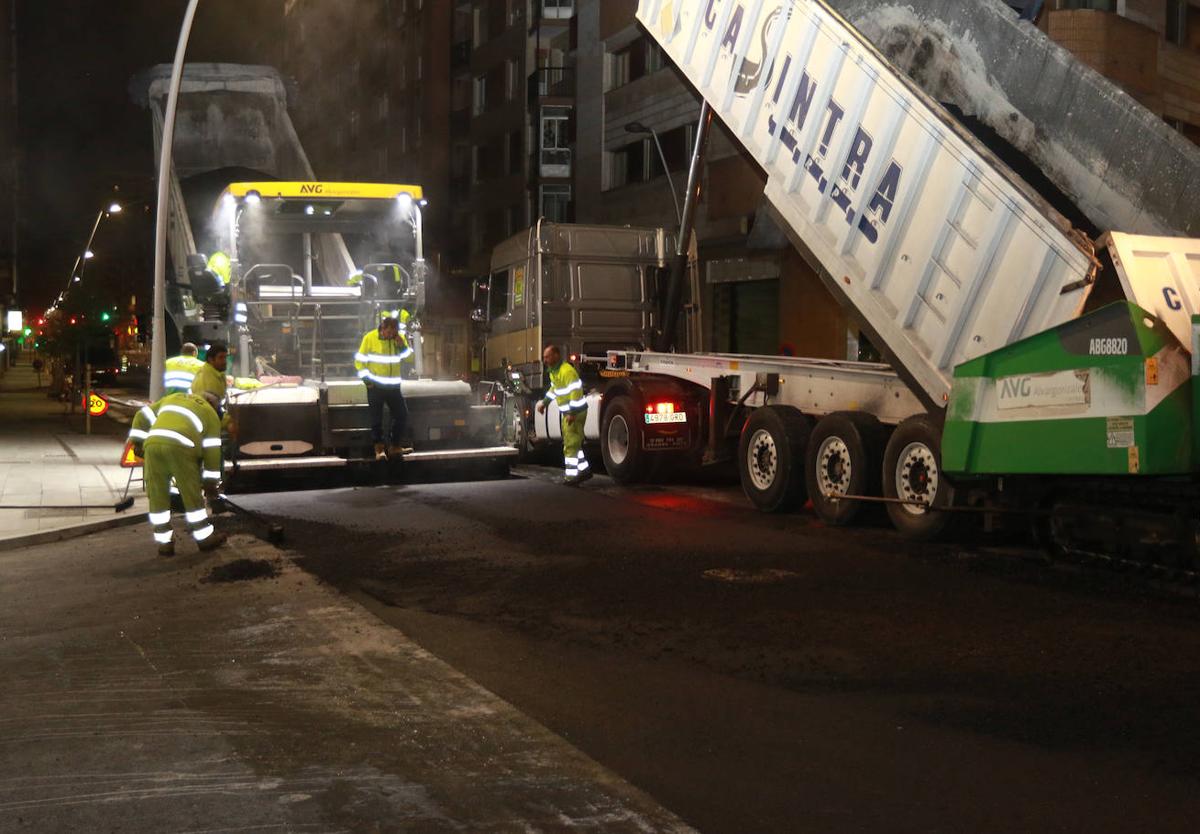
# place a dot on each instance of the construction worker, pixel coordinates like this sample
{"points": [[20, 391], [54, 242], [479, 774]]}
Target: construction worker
{"points": [[220, 266], [210, 378], [566, 391], [180, 439], [378, 361], [181, 370]]}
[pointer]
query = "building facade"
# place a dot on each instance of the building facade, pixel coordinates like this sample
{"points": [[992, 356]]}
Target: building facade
{"points": [[1150, 48], [509, 110], [9, 149]]}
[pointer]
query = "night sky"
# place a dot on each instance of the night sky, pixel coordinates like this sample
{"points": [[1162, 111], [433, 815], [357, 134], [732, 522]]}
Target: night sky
{"points": [[81, 134]]}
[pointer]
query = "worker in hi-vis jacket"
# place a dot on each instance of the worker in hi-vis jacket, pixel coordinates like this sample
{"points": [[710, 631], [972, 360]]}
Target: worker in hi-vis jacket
{"points": [[566, 391]]}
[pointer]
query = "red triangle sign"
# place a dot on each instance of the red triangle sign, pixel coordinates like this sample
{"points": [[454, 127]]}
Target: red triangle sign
{"points": [[128, 459]]}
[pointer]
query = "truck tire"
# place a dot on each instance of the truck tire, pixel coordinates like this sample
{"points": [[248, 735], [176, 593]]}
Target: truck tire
{"points": [[844, 458], [771, 458], [912, 469], [621, 441]]}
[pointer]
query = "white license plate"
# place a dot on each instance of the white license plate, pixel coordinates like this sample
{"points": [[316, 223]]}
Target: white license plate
{"points": [[674, 417]]}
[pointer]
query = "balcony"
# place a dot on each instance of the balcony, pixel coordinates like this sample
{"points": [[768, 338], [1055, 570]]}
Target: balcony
{"points": [[555, 162], [552, 82]]}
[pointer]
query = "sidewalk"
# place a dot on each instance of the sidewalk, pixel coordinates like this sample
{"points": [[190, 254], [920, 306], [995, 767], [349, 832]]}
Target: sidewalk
{"points": [[47, 463], [139, 696]]}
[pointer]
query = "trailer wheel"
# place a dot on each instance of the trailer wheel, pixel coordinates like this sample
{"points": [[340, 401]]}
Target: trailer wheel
{"points": [[843, 459], [621, 442], [912, 471], [770, 457]]}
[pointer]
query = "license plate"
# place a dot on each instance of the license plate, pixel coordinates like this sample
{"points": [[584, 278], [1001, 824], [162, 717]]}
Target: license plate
{"points": [[673, 417]]}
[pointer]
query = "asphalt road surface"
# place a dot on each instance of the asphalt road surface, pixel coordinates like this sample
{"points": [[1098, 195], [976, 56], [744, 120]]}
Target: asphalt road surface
{"points": [[758, 673]]}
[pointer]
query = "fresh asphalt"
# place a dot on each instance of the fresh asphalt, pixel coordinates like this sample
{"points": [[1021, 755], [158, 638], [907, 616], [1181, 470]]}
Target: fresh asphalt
{"points": [[757, 673]]}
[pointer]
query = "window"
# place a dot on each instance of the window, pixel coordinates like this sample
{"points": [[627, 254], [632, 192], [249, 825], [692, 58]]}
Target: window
{"points": [[556, 151], [628, 164], [640, 161], [460, 161], [479, 95], [512, 87], [478, 34], [640, 58], [555, 203], [498, 295], [516, 152], [558, 9]]}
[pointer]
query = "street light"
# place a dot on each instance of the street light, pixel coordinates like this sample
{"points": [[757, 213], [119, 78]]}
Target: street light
{"points": [[158, 345], [638, 127], [88, 254]]}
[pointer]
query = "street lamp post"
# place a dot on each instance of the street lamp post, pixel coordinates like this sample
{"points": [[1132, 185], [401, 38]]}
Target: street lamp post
{"points": [[87, 254], [158, 347], [638, 127]]}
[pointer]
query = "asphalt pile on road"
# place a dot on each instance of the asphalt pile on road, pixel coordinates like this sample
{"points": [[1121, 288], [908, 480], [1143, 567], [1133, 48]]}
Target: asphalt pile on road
{"points": [[241, 570]]}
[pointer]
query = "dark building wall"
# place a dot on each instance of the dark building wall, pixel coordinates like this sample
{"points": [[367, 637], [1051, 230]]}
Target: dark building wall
{"points": [[9, 158]]}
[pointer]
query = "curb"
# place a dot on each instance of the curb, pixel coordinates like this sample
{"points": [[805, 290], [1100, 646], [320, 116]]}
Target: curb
{"points": [[73, 532]]}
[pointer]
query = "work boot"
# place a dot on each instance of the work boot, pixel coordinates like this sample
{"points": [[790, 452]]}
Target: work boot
{"points": [[166, 549], [213, 542], [585, 475], [572, 480], [400, 451], [380, 452]]}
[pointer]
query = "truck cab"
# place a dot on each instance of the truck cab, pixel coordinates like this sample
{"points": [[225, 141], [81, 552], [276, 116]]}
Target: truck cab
{"points": [[588, 289]]}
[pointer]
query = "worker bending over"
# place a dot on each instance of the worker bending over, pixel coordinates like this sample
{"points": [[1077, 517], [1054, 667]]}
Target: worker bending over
{"points": [[180, 438], [379, 361], [566, 390]]}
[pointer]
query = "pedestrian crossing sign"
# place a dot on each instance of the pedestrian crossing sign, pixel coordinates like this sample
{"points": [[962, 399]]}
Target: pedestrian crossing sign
{"points": [[129, 460]]}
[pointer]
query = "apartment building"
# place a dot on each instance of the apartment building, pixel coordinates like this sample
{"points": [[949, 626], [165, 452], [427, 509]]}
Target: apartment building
{"points": [[514, 115], [507, 110], [758, 294], [373, 95], [1151, 48]]}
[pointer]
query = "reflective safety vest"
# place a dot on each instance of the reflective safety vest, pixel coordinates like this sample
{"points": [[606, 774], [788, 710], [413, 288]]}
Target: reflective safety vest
{"points": [[397, 277], [566, 389], [209, 379], [379, 360], [185, 420], [180, 373]]}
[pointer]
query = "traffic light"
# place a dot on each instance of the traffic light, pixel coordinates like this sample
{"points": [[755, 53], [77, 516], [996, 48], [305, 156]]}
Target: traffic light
{"points": [[28, 330], [105, 316]]}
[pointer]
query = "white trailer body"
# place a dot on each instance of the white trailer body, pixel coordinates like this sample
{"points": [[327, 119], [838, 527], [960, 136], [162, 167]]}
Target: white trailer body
{"points": [[933, 244]]}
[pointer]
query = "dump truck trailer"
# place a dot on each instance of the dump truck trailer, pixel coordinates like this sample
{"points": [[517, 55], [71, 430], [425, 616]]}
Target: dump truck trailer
{"points": [[1009, 386]]}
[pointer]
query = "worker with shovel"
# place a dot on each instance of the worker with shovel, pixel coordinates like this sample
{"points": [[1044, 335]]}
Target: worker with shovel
{"points": [[180, 438]]}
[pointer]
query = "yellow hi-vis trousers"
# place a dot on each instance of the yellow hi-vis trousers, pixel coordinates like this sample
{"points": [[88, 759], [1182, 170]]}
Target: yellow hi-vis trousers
{"points": [[574, 460], [165, 460]]}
